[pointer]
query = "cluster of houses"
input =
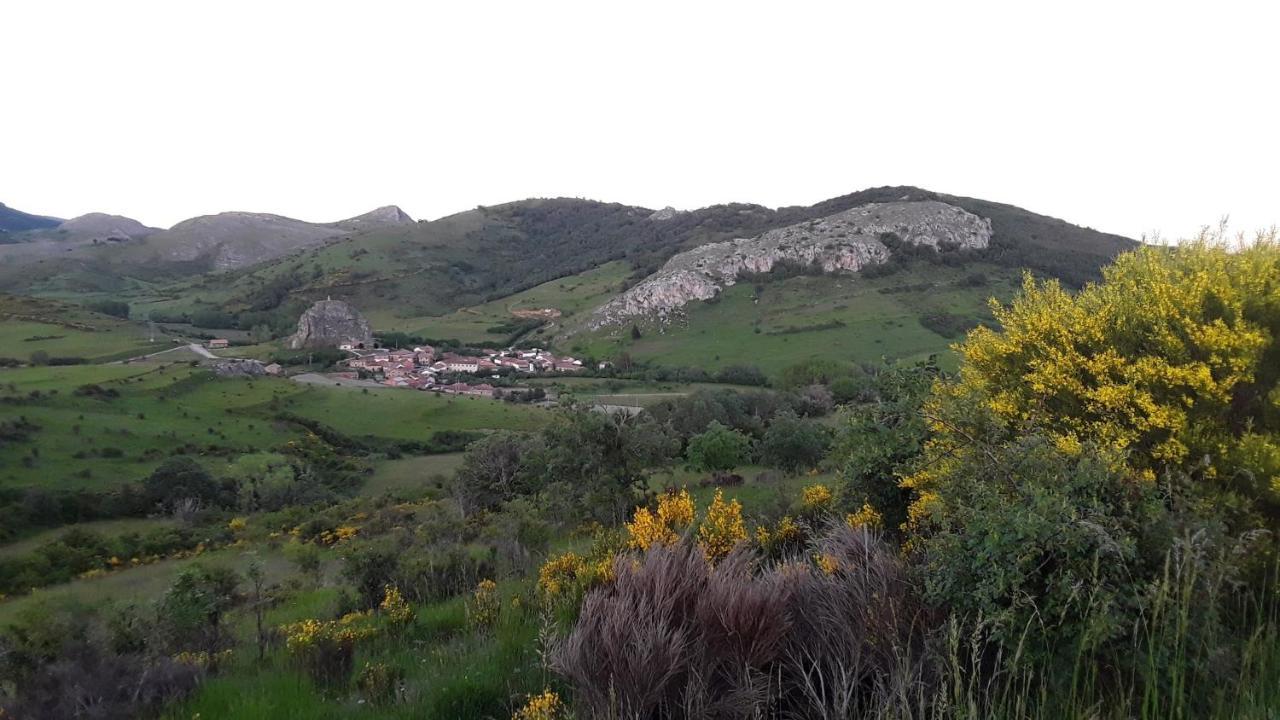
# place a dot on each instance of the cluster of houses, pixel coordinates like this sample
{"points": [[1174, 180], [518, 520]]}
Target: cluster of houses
{"points": [[422, 368]]}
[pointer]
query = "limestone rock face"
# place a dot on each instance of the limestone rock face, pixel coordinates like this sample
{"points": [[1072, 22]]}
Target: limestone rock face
{"points": [[239, 368], [844, 242], [666, 213], [330, 323]]}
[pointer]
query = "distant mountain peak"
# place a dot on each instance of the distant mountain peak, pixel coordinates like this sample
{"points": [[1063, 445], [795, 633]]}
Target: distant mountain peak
{"points": [[12, 220], [385, 216], [102, 226]]}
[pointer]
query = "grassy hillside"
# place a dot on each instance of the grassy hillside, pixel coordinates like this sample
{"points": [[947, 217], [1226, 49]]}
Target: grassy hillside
{"points": [[908, 315], [58, 329], [96, 426], [402, 274]]}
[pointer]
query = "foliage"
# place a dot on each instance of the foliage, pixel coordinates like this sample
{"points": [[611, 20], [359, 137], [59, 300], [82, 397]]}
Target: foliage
{"points": [[497, 468], [115, 308], [794, 444], [812, 372], [191, 611], [722, 529], [674, 515], [326, 648], [484, 605], [878, 436], [717, 449], [1172, 360], [675, 636], [543, 706]]}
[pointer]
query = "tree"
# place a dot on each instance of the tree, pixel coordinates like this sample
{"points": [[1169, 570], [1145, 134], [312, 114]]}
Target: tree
{"points": [[497, 468], [717, 449], [601, 461], [793, 444], [1171, 361], [192, 608], [179, 479], [876, 438]]}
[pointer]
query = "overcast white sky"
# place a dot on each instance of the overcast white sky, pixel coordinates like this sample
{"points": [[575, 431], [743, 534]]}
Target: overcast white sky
{"points": [[1129, 117]]}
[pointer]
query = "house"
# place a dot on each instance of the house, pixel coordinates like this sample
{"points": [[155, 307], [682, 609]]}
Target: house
{"points": [[217, 343]]}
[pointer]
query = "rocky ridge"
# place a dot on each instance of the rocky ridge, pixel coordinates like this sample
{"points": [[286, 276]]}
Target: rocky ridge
{"points": [[330, 323], [844, 242]]}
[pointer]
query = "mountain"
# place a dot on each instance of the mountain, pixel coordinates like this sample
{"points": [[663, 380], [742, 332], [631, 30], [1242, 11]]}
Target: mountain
{"points": [[413, 276], [845, 242], [13, 221], [104, 227], [385, 216]]}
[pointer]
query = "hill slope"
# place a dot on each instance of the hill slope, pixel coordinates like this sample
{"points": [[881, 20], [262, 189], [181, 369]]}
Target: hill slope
{"points": [[13, 221]]}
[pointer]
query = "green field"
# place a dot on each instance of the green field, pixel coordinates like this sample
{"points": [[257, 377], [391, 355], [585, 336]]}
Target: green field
{"points": [[406, 414], [839, 318], [96, 440], [410, 475], [572, 296], [58, 329]]}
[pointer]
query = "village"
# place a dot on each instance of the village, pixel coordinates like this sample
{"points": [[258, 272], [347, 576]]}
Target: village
{"points": [[422, 368]]}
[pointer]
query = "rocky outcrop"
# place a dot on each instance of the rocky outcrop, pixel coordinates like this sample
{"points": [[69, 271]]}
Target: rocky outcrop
{"points": [[666, 213], [330, 323], [239, 368], [844, 242], [386, 216]]}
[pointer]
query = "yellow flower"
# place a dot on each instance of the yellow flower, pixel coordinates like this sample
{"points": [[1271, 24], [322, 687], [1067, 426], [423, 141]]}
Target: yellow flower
{"points": [[722, 529], [866, 517], [827, 564], [238, 524], [816, 497], [484, 606], [545, 706], [394, 606]]}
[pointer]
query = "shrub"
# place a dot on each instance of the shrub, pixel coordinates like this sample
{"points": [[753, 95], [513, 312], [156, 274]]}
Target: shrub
{"points": [[719, 448], [380, 683], [326, 649], [793, 444], [722, 529], [674, 636], [484, 605]]}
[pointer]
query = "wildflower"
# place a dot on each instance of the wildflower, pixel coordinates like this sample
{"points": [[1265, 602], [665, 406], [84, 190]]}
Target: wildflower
{"points": [[237, 524], [544, 706]]}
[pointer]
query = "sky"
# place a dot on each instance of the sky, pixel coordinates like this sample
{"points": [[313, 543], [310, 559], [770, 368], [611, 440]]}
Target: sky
{"points": [[1137, 118]]}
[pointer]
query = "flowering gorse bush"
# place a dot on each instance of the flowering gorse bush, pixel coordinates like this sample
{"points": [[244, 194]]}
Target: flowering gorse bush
{"points": [[722, 529], [326, 648], [675, 513], [816, 497], [543, 706], [485, 605], [395, 608]]}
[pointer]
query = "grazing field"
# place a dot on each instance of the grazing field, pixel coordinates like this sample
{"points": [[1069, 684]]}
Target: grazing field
{"points": [[781, 323], [410, 475], [400, 414], [93, 426], [572, 296], [64, 330]]}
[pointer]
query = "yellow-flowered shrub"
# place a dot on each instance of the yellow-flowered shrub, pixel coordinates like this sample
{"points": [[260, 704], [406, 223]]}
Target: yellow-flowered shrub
{"points": [[238, 524], [1159, 362], [484, 605], [326, 648], [543, 706], [722, 529], [395, 607], [816, 497], [674, 514], [785, 535], [380, 683], [867, 516]]}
